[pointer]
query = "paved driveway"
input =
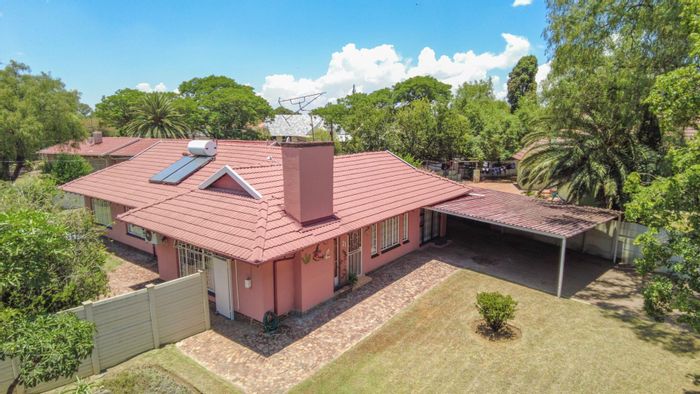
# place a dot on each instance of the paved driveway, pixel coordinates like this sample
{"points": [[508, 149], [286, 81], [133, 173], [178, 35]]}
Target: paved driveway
{"points": [[263, 363]]}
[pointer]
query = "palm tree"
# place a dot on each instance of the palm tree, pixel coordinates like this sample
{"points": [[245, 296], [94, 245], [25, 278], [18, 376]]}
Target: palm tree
{"points": [[156, 117], [589, 162]]}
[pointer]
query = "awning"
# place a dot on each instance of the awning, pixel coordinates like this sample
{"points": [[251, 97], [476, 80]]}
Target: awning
{"points": [[526, 213], [531, 215]]}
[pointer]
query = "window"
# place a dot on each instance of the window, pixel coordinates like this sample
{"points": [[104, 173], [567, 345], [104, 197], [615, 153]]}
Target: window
{"points": [[193, 259], [102, 212], [405, 227], [136, 231], [374, 239], [390, 232]]}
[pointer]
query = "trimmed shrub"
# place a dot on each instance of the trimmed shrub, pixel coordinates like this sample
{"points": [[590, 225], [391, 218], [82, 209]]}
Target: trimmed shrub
{"points": [[65, 168], [496, 309]]}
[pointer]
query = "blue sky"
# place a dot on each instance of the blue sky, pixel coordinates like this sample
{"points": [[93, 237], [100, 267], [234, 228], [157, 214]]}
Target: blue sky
{"points": [[281, 48]]}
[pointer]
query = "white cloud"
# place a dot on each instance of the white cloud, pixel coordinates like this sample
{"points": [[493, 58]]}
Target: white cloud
{"points": [[146, 87], [518, 3], [370, 69], [542, 72]]}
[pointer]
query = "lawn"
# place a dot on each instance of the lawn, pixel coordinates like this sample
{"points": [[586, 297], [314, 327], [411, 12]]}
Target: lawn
{"points": [[164, 370], [566, 346]]}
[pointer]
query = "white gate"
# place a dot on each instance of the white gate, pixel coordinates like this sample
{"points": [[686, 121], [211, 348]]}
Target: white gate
{"points": [[355, 252]]}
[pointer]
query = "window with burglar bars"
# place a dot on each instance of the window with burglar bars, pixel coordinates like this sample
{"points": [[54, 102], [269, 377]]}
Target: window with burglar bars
{"points": [[102, 211], [193, 259], [405, 227], [374, 239], [390, 232]]}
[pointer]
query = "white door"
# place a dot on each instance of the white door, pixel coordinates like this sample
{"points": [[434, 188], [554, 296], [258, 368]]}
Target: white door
{"points": [[221, 270]]}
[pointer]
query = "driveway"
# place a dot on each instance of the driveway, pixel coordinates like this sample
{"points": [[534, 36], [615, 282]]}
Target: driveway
{"points": [[135, 268], [265, 363]]}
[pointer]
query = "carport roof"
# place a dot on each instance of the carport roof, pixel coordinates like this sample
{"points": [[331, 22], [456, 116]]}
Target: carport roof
{"points": [[526, 213]]}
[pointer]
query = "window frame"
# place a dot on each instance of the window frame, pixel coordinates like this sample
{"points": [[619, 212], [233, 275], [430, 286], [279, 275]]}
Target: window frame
{"points": [[390, 233], [405, 227], [373, 239], [100, 215], [130, 231]]}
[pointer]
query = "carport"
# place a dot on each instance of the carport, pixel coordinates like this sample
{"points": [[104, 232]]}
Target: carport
{"points": [[533, 216]]}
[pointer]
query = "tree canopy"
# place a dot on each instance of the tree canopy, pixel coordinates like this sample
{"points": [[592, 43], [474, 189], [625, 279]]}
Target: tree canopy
{"points": [[521, 80], [156, 117], [669, 206], [118, 109], [36, 111], [420, 87]]}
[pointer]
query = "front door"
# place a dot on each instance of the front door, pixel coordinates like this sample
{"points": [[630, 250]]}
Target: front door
{"points": [[221, 270], [430, 225], [355, 253], [336, 261]]}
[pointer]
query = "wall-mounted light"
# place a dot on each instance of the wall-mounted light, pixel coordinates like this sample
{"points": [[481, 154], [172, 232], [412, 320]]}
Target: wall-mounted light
{"points": [[248, 283]]}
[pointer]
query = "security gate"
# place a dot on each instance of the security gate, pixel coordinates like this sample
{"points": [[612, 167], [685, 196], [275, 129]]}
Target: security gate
{"points": [[355, 253]]}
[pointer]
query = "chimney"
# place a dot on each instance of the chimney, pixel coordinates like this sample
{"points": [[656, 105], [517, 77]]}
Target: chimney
{"points": [[308, 180], [96, 137]]}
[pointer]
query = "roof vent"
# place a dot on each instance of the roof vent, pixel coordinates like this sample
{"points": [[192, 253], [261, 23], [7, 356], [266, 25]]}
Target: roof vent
{"points": [[202, 148], [97, 137]]}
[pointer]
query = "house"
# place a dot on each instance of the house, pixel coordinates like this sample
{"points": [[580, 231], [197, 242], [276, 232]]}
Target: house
{"points": [[277, 228], [300, 127], [101, 151]]}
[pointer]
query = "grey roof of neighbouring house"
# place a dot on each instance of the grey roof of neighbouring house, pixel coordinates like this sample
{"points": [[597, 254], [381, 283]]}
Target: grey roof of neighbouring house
{"points": [[293, 125]]}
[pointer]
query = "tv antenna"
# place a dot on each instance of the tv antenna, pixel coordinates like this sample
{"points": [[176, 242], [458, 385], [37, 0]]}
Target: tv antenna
{"points": [[301, 102]]}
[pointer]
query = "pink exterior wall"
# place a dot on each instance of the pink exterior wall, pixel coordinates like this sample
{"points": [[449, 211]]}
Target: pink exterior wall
{"points": [[259, 298], [118, 230], [285, 285], [313, 276], [167, 260], [370, 263]]}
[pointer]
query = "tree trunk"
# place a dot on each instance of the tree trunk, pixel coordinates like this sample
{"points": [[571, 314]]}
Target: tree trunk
{"points": [[18, 169], [11, 388]]}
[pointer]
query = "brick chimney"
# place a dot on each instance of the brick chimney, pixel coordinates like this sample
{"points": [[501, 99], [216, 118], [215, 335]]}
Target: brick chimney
{"points": [[308, 180], [96, 137]]}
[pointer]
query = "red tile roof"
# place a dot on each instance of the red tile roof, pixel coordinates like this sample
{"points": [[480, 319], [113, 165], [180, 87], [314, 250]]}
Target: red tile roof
{"points": [[87, 148], [368, 187], [134, 148], [526, 213]]}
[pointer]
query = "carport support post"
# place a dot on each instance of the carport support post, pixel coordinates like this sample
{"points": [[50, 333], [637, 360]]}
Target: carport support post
{"points": [[562, 257], [616, 238]]}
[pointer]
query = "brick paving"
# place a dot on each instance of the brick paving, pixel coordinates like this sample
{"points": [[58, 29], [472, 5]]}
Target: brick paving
{"points": [[271, 363], [137, 269]]}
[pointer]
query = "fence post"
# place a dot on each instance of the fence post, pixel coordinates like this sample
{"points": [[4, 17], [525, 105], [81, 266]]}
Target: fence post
{"points": [[15, 372], [95, 356], [205, 292], [151, 292]]}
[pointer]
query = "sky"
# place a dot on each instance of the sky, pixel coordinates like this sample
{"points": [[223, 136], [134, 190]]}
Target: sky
{"points": [[280, 48]]}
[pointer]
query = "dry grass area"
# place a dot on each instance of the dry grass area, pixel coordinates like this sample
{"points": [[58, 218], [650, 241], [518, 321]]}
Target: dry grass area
{"points": [[164, 370], [566, 346]]}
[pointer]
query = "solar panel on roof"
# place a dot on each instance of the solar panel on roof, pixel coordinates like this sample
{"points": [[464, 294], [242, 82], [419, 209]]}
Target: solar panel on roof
{"points": [[187, 170], [160, 177]]}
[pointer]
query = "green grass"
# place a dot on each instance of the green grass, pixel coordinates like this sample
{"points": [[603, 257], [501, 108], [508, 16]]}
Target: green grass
{"points": [[164, 370], [566, 346], [113, 261]]}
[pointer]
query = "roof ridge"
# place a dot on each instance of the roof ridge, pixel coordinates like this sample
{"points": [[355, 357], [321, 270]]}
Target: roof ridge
{"points": [[129, 212], [260, 231], [135, 140]]}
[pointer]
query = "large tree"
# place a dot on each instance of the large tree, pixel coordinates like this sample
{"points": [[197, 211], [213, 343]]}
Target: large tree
{"points": [[220, 107], [35, 111], [521, 81], [421, 87], [156, 117], [50, 260], [118, 109], [670, 207]]}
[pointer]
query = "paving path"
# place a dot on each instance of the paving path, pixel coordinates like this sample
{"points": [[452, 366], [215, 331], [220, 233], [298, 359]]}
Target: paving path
{"points": [[260, 363]]}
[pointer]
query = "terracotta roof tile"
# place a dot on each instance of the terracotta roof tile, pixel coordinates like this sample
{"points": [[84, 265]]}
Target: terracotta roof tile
{"points": [[368, 187], [86, 148]]}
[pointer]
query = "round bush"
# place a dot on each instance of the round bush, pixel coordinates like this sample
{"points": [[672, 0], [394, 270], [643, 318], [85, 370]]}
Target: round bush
{"points": [[496, 309]]}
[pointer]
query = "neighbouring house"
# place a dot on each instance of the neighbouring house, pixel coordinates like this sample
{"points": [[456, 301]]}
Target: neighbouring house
{"points": [[283, 227], [99, 151], [298, 127]]}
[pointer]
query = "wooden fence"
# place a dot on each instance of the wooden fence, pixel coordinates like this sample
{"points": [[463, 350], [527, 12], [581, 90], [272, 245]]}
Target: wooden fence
{"points": [[133, 323]]}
